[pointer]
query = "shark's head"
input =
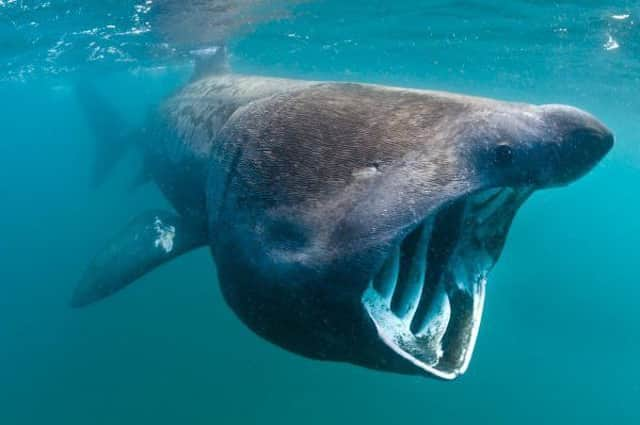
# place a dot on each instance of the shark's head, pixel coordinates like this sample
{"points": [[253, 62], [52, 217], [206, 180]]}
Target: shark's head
{"points": [[359, 223], [427, 297]]}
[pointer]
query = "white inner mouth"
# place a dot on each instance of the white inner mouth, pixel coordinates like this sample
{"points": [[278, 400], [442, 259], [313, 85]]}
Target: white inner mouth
{"points": [[426, 300]]}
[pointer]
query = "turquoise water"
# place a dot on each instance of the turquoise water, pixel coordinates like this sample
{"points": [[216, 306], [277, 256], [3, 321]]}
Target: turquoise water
{"points": [[560, 337]]}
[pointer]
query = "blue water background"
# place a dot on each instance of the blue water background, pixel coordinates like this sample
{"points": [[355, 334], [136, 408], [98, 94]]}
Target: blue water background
{"points": [[560, 339]]}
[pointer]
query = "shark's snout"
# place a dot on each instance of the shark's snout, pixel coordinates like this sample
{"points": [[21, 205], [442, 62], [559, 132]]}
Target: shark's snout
{"points": [[597, 143], [585, 147], [580, 142]]}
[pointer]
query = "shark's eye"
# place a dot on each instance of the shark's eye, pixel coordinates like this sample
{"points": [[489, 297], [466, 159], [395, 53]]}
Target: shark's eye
{"points": [[503, 155]]}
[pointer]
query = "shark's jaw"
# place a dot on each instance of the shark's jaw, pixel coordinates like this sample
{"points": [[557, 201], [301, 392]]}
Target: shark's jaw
{"points": [[426, 300]]}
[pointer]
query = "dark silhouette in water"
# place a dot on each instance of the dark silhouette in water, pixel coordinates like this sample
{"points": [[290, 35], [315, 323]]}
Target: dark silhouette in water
{"points": [[348, 222]]}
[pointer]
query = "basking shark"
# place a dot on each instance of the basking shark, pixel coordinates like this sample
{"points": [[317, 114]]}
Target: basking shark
{"points": [[349, 222]]}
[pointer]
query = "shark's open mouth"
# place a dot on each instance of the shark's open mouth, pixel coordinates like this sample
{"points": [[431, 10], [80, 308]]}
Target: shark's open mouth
{"points": [[426, 300]]}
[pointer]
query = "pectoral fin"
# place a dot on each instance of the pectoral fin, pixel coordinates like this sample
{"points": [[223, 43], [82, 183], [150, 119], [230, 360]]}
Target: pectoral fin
{"points": [[150, 240]]}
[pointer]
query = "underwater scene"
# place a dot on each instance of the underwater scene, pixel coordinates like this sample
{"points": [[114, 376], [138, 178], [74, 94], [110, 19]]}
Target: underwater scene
{"points": [[319, 211]]}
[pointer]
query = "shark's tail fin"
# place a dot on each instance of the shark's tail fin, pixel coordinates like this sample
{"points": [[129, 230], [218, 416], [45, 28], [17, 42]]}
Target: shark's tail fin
{"points": [[113, 136]]}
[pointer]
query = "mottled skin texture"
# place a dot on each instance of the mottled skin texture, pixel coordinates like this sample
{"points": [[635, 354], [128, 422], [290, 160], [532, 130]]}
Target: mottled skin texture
{"points": [[306, 186]]}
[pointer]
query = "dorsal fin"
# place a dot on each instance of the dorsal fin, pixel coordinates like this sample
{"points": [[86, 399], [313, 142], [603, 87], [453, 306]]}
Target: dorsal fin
{"points": [[210, 61]]}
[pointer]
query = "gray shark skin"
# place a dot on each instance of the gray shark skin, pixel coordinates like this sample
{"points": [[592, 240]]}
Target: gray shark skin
{"points": [[349, 222]]}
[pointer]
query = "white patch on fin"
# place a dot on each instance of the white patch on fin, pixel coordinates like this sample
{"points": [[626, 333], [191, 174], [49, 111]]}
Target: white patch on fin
{"points": [[166, 233]]}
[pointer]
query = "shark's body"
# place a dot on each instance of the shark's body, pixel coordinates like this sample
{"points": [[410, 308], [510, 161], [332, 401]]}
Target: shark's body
{"points": [[348, 222]]}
